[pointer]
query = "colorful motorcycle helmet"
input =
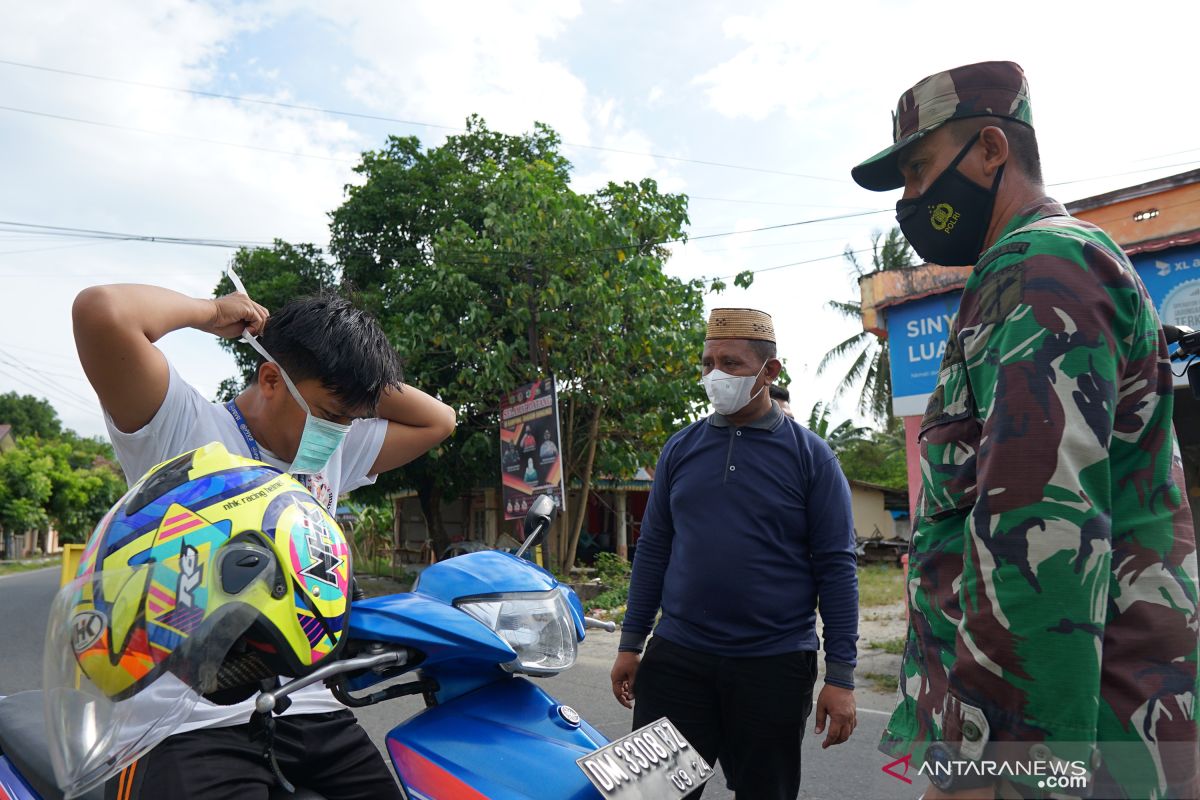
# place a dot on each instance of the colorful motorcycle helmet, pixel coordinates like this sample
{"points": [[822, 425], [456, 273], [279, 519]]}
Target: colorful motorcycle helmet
{"points": [[214, 525], [213, 572]]}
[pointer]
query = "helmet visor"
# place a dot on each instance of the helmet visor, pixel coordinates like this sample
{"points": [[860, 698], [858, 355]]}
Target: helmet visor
{"points": [[130, 651]]}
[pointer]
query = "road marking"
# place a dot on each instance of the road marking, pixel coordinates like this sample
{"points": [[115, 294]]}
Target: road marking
{"points": [[875, 711]]}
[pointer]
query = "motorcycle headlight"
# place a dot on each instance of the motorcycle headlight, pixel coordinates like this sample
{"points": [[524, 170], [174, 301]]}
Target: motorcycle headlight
{"points": [[538, 626]]}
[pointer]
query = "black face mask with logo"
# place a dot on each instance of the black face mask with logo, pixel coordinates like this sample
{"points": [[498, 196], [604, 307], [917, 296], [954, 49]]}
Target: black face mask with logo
{"points": [[947, 224]]}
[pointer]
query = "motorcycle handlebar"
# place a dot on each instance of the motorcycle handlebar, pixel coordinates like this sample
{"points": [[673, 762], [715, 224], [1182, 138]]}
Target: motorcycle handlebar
{"points": [[591, 622], [266, 702], [1188, 340]]}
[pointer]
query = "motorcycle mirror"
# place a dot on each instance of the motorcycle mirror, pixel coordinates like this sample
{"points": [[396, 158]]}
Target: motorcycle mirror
{"points": [[537, 521]]}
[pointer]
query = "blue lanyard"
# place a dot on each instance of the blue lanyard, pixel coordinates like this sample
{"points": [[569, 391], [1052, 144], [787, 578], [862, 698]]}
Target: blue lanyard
{"points": [[255, 451], [236, 412]]}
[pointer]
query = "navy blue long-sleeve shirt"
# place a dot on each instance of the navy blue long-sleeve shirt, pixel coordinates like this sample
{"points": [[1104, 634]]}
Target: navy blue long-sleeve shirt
{"points": [[745, 530]]}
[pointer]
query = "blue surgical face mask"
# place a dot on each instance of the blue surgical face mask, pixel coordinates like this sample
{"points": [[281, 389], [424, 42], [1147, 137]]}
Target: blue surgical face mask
{"points": [[320, 439]]}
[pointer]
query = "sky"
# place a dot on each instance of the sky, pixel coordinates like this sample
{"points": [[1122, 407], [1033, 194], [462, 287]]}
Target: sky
{"points": [[756, 110]]}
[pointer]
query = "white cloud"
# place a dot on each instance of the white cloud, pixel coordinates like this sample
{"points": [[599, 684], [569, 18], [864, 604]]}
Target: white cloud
{"points": [[429, 61], [439, 62], [79, 175]]}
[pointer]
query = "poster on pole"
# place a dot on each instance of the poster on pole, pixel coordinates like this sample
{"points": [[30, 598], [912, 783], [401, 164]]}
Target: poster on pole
{"points": [[530, 455]]}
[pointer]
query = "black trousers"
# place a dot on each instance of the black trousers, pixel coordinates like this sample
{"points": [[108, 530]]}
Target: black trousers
{"points": [[327, 753], [748, 713]]}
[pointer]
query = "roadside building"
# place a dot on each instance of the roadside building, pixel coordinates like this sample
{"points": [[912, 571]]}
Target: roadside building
{"points": [[613, 522]]}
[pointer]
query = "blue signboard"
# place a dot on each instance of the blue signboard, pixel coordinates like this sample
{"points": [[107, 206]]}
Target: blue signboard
{"points": [[917, 334], [917, 331], [1173, 279]]}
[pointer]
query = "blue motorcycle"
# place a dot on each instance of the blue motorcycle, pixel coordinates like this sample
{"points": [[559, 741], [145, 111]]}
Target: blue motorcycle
{"points": [[466, 635]]}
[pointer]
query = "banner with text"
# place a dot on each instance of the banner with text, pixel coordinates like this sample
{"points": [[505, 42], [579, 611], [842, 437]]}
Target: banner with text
{"points": [[530, 460], [917, 330], [917, 334]]}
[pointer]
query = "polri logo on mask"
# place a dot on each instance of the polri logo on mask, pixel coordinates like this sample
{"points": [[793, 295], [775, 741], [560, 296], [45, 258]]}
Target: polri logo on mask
{"points": [[943, 217]]}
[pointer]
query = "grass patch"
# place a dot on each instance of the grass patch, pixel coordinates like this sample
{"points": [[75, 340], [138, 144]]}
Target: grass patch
{"points": [[885, 682], [893, 647], [880, 585], [381, 566], [9, 567]]}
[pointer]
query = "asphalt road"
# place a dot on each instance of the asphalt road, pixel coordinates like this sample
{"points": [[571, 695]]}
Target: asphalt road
{"points": [[850, 770], [25, 599]]}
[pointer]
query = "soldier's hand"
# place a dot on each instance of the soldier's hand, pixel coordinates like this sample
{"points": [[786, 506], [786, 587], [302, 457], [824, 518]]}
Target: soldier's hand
{"points": [[624, 672], [233, 313], [836, 706]]}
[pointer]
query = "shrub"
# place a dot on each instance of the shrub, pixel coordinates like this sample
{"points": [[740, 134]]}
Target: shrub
{"points": [[612, 569]]}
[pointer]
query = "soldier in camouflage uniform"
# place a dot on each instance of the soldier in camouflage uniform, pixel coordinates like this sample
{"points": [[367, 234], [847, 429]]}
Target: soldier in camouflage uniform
{"points": [[1052, 583]]}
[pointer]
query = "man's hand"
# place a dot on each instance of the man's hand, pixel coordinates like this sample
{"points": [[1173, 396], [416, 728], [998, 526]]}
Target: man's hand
{"points": [[232, 314], [624, 672], [837, 705], [981, 793]]}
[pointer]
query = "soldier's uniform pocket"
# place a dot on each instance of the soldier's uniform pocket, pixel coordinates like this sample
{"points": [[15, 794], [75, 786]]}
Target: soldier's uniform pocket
{"points": [[949, 440]]}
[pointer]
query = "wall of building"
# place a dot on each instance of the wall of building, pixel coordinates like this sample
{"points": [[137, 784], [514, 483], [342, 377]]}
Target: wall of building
{"points": [[870, 516], [1156, 215]]}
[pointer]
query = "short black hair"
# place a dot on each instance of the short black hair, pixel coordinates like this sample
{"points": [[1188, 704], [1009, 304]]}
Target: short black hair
{"points": [[779, 393], [1022, 141], [764, 350], [326, 337]]}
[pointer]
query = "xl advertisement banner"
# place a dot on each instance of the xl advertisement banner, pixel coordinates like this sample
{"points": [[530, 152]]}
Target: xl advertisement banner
{"points": [[530, 456]]}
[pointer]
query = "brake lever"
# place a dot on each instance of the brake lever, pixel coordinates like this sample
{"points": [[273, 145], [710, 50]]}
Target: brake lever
{"points": [[267, 702]]}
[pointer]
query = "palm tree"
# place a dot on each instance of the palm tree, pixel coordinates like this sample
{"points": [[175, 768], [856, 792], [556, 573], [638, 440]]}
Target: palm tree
{"points": [[871, 362], [839, 437]]}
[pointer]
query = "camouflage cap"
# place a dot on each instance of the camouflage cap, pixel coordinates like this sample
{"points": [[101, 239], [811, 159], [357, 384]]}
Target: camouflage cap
{"points": [[988, 89]]}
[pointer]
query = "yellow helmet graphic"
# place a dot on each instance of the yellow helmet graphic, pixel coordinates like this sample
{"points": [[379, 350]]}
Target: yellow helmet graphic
{"points": [[216, 568]]}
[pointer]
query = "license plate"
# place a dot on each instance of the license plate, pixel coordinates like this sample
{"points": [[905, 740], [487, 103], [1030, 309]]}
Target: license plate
{"points": [[652, 763]]}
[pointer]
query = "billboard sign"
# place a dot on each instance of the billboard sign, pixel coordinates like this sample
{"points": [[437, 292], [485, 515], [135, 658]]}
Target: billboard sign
{"points": [[530, 442]]}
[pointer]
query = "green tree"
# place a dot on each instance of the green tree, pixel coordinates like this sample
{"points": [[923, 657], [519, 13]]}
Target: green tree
{"points": [[878, 457], [25, 487], [871, 356], [838, 437], [488, 271], [87, 482], [67, 482], [29, 415]]}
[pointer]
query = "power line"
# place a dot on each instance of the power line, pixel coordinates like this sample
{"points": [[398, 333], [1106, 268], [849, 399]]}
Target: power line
{"points": [[1122, 174], [62, 230], [691, 197], [89, 233], [75, 405], [16, 363], [45, 353], [397, 120], [416, 123], [842, 254], [182, 136], [275, 151]]}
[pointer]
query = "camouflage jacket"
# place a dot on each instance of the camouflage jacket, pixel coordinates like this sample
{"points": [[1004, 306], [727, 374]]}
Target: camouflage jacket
{"points": [[1052, 577]]}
